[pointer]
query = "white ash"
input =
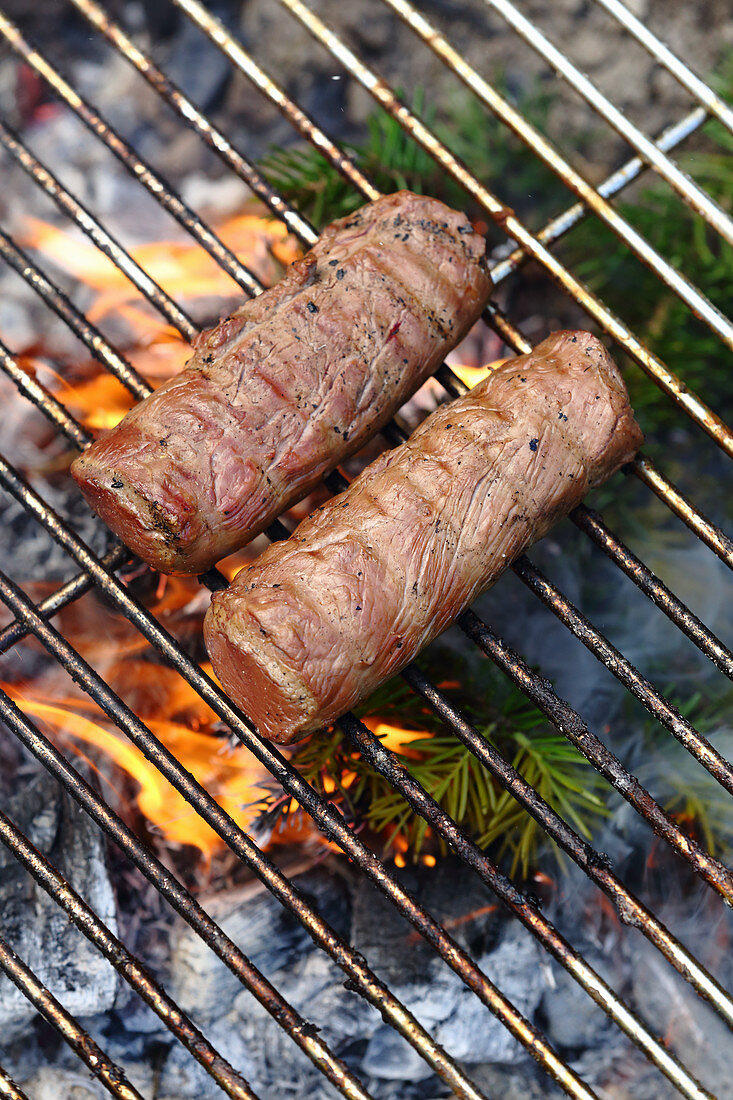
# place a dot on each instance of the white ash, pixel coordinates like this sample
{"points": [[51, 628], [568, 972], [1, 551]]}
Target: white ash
{"points": [[34, 924]]}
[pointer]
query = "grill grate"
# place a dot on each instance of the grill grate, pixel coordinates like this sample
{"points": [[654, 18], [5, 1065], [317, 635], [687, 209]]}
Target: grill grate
{"points": [[32, 619]]}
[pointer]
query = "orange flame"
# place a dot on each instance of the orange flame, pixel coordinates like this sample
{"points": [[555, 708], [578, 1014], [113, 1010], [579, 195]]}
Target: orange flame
{"points": [[232, 776], [185, 270]]}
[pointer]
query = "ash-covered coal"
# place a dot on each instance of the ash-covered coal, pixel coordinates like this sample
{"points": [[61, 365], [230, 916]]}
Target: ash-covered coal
{"points": [[33, 923]]}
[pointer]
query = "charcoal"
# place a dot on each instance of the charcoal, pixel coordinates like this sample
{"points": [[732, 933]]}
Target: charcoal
{"points": [[315, 986], [35, 925]]}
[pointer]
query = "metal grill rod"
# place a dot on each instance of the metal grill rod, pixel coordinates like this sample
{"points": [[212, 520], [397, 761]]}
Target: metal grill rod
{"points": [[139, 168], [124, 962], [558, 226], [102, 1067], [213, 137], [423, 804], [195, 916], [324, 815], [329, 820], [596, 865], [43, 400], [591, 523], [8, 1088], [663, 488], [659, 707], [691, 295], [569, 723], [693, 195], [707, 531], [88, 333], [684, 398], [697, 88], [127, 965], [104, 241]]}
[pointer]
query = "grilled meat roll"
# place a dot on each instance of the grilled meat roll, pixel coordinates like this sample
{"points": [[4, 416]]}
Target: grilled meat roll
{"points": [[293, 382], [367, 580]]}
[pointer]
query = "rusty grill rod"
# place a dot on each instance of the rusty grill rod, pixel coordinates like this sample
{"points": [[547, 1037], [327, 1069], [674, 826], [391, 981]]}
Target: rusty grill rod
{"points": [[102, 1067], [697, 88], [104, 241], [707, 531], [88, 333], [325, 815], [8, 1088], [330, 821], [659, 707], [386, 763], [154, 183], [63, 596], [191, 911], [664, 489], [213, 137], [558, 226], [637, 244], [77, 435], [693, 195], [126, 964], [693, 406], [592, 524]]}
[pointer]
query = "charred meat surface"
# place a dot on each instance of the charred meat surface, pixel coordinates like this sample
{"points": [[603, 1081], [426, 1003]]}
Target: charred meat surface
{"points": [[370, 578], [294, 381]]}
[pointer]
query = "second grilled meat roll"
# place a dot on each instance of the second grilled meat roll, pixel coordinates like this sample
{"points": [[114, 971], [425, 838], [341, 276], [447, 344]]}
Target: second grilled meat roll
{"points": [[289, 385], [313, 627]]}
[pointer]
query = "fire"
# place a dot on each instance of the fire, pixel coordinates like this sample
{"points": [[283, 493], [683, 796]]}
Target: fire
{"points": [[232, 776], [185, 270]]}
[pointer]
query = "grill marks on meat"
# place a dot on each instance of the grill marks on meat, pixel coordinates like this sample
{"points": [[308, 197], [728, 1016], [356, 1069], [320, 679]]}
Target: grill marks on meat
{"points": [[367, 580], [289, 385]]}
